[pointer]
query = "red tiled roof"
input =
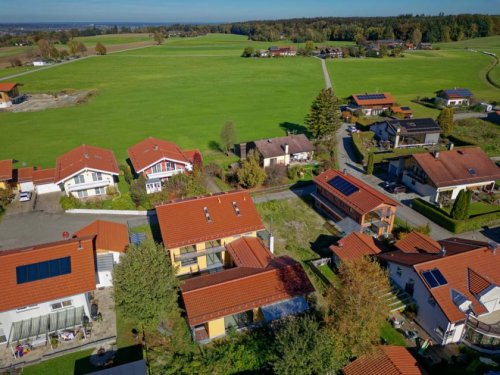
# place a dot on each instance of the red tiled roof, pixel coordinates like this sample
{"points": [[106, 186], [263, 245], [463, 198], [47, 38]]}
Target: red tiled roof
{"points": [[387, 100], [80, 280], [249, 252], [152, 150], [416, 242], [5, 170], [184, 222], [7, 86], [469, 165], [363, 201], [238, 289], [85, 157], [110, 236], [44, 176], [455, 269], [25, 174], [355, 246], [477, 283], [387, 360]]}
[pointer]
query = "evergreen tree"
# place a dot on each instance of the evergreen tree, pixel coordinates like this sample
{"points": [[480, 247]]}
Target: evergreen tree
{"points": [[445, 120], [251, 174], [460, 209], [324, 117], [370, 164], [227, 136]]}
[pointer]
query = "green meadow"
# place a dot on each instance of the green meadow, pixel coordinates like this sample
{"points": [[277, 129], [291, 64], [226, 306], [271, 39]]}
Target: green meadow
{"points": [[186, 89], [419, 73], [111, 39], [148, 93]]}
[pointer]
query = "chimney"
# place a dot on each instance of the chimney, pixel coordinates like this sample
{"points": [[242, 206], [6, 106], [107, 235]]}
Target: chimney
{"points": [[493, 246], [436, 154], [271, 243], [450, 146], [344, 171], [443, 251], [155, 147], [286, 148]]}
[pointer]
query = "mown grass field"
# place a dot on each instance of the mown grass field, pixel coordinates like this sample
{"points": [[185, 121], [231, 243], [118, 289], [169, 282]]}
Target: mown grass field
{"points": [[419, 73], [186, 89], [147, 92], [112, 39]]}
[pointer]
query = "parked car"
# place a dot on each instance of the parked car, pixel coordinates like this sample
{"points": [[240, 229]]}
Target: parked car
{"points": [[352, 129], [24, 196], [399, 189], [388, 185]]}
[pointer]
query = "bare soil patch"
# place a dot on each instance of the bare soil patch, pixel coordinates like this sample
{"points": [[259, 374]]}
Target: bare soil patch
{"points": [[41, 102]]}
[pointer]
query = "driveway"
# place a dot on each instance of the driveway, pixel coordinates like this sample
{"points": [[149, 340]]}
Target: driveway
{"points": [[346, 157], [31, 228]]}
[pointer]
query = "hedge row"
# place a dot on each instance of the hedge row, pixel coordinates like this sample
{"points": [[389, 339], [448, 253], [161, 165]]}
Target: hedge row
{"points": [[441, 218], [357, 141]]}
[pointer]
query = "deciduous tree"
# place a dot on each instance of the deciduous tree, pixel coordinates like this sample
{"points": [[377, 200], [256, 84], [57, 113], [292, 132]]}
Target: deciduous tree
{"points": [[100, 49], [227, 136], [416, 36], [145, 286], [250, 174], [248, 52], [73, 47], [324, 116], [44, 48], [159, 37], [81, 48], [356, 308], [303, 347]]}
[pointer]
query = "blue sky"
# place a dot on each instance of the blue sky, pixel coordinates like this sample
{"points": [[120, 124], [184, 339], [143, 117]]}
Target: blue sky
{"points": [[225, 10]]}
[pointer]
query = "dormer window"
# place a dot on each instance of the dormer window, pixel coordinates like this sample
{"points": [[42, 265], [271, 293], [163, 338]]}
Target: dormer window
{"points": [[207, 215], [236, 209]]}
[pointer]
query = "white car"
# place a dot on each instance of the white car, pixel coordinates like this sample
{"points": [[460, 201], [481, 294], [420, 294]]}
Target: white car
{"points": [[24, 196]]}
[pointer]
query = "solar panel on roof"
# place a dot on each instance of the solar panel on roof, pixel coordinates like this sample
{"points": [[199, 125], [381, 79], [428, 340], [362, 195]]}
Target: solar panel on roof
{"points": [[342, 185], [430, 279], [371, 96], [439, 277]]}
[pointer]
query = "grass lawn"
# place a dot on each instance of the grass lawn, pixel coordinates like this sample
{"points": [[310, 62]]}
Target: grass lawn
{"points": [[391, 335], [11, 71], [149, 93], [329, 274], [299, 231], [419, 73], [114, 39], [63, 365], [482, 133], [477, 208]]}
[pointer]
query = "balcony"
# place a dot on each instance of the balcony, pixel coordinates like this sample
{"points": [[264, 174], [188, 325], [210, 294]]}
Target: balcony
{"points": [[88, 185], [164, 174], [483, 333], [197, 254]]}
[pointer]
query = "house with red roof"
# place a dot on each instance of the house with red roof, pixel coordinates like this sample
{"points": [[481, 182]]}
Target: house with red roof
{"points": [[354, 205], [157, 160], [354, 246], [456, 285], [254, 288], [111, 241], [9, 94], [371, 104], [195, 230], [230, 277], [87, 171], [46, 288], [441, 175], [5, 173], [387, 360]]}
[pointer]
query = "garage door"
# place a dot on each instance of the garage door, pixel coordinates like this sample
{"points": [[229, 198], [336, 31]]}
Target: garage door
{"points": [[27, 186], [47, 188]]}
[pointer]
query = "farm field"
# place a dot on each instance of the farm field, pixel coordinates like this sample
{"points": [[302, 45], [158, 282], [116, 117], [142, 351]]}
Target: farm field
{"points": [[111, 39], [182, 99], [419, 73]]}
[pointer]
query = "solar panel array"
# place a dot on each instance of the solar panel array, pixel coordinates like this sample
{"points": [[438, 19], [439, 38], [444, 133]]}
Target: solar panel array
{"points": [[459, 92], [371, 96], [434, 278], [342, 185]]}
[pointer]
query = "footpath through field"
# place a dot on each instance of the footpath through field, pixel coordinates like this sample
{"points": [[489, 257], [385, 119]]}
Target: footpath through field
{"points": [[328, 82]]}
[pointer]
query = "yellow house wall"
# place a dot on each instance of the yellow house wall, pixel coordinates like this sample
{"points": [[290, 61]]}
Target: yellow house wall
{"points": [[216, 328], [202, 260]]}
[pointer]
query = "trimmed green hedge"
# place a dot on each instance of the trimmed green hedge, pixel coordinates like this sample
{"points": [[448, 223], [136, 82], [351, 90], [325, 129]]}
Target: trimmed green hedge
{"points": [[358, 146], [441, 218]]}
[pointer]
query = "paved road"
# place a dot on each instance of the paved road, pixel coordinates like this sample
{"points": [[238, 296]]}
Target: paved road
{"points": [[27, 229], [346, 156], [328, 82]]}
